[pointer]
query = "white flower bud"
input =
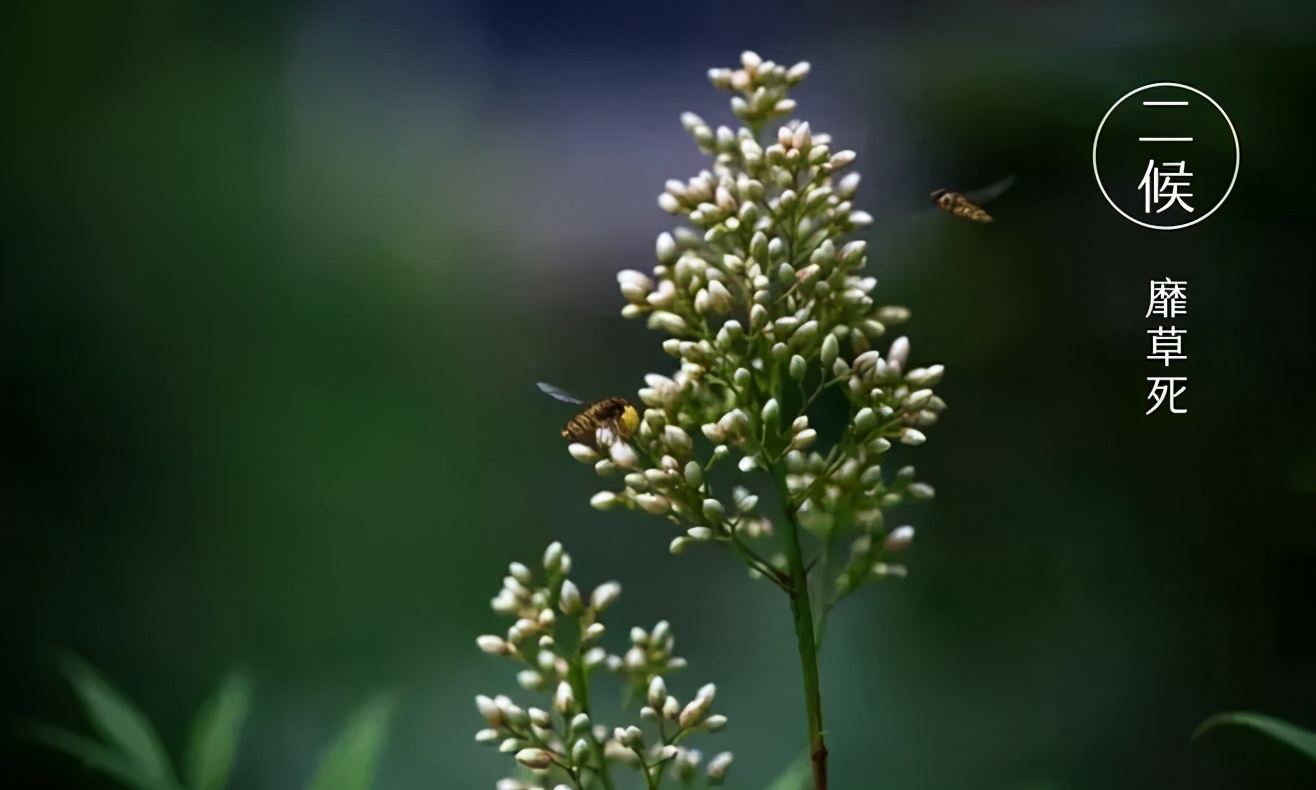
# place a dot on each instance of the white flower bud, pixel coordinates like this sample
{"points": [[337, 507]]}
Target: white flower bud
{"points": [[842, 158], [899, 353], [530, 679], [690, 121], [653, 503], [921, 491], [677, 439], [694, 474], [582, 452], [893, 315], [553, 556], [569, 601], [803, 439], [715, 722], [848, 185], [719, 297], [671, 708], [802, 137], [669, 204], [865, 365], [667, 322], [918, 399], [580, 723], [926, 377], [717, 768], [713, 432], [899, 539], [635, 286], [745, 501], [564, 699], [491, 711], [657, 693], [623, 454], [865, 421], [708, 691], [851, 253], [798, 368], [534, 759], [604, 500], [541, 718], [734, 423], [830, 349], [493, 645], [604, 595], [703, 303], [666, 248], [699, 534], [912, 436], [758, 317]]}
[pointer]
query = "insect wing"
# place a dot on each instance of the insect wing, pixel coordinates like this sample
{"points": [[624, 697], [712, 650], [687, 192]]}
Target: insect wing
{"points": [[558, 394], [991, 192]]}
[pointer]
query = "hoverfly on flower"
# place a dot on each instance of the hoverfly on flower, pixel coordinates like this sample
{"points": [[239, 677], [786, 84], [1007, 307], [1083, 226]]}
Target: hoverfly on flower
{"points": [[600, 423]]}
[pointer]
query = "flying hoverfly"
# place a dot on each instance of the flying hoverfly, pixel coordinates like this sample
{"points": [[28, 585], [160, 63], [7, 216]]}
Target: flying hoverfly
{"points": [[966, 205], [600, 422]]}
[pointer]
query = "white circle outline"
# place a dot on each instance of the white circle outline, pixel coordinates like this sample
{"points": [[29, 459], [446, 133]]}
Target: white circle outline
{"points": [[1097, 139]]}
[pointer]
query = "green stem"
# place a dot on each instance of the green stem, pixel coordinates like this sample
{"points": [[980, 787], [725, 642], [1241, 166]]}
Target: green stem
{"points": [[581, 688], [802, 612]]}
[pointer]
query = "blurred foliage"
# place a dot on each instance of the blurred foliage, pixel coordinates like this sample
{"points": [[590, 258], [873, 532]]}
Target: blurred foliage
{"points": [[1302, 740], [268, 354], [130, 751]]}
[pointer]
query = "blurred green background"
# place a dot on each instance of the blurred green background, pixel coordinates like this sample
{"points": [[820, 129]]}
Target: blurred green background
{"points": [[278, 279]]}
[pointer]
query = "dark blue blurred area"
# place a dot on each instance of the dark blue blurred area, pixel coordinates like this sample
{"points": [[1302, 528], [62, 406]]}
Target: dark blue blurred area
{"points": [[278, 279]]}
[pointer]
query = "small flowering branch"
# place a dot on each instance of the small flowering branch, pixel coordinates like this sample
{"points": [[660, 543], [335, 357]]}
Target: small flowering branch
{"points": [[556, 637], [768, 314]]}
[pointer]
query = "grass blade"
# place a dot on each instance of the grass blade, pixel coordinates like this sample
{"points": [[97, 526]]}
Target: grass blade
{"points": [[797, 776], [351, 762], [93, 754], [215, 734], [1300, 739], [121, 725]]}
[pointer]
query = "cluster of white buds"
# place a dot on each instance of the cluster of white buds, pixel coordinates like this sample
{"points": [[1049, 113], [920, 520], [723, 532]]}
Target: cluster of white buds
{"points": [[556, 638], [767, 307]]}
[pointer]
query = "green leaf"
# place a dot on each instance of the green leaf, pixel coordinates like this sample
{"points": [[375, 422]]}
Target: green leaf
{"points": [[215, 734], [350, 763], [94, 755], [797, 776], [121, 725], [1300, 739]]}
